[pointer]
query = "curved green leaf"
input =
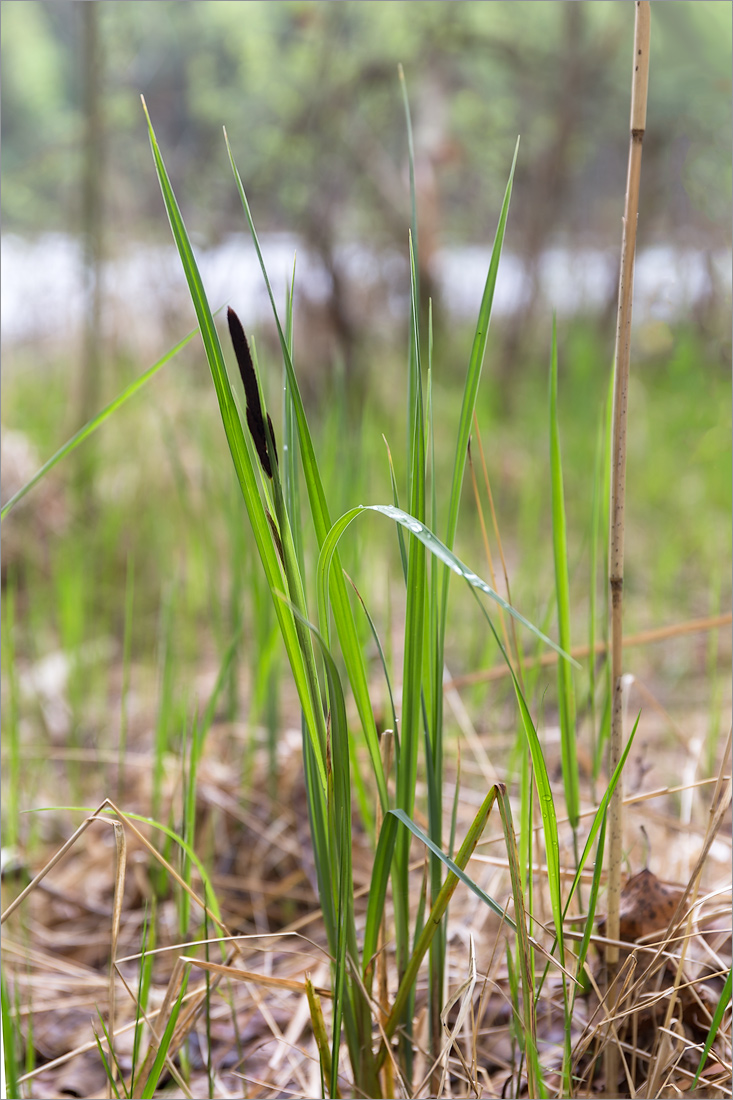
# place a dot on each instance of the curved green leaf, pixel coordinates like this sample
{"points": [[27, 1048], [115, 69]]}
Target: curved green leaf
{"points": [[715, 1024], [378, 892], [453, 866], [473, 377], [96, 422], [434, 545], [565, 689]]}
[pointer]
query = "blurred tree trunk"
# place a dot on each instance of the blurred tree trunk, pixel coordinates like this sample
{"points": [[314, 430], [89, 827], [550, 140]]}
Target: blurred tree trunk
{"points": [[91, 226], [551, 174]]}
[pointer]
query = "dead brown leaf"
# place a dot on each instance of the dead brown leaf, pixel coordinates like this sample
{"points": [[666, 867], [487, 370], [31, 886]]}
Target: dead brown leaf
{"points": [[647, 905]]}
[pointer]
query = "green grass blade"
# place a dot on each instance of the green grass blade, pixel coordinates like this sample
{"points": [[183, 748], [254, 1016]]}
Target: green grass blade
{"points": [[433, 692], [544, 791], [380, 651], [715, 1025], [526, 801], [224, 669], [596, 542], [336, 869], [339, 853], [396, 502], [549, 817], [289, 459], [439, 610], [456, 873], [105, 1063], [157, 1068], [317, 820], [189, 765], [604, 729], [318, 1025], [596, 829], [604, 732], [164, 718], [96, 422], [412, 668], [144, 983], [454, 865], [342, 611], [362, 795], [600, 813], [10, 1044], [11, 723], [207, 1013], [377, 893], [410, 160], [565, 689], [126, 655], [238, 446], [295, 587], [473, 376], [414, 376], [536, 1086], [590, 916]]}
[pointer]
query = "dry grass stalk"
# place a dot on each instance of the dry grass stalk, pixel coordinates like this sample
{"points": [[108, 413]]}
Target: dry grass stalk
{"points": [[51, 864], [644, 637], [119, 885], [478, 1064], [618, 487], [239, 975]]}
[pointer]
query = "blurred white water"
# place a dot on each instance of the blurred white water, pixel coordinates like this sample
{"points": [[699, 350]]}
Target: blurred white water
{"points": [[42, 287]]}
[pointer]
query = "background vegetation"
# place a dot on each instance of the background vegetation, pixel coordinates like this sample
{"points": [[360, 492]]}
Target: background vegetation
{"points": [[130, 579]]}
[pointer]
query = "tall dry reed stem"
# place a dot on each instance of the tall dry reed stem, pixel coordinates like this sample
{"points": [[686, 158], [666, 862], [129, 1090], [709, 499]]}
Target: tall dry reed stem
{"points": [[618, 489]]}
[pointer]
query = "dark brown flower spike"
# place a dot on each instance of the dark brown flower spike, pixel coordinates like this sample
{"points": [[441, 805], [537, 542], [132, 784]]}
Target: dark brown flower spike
{"points": [[255, 421]]}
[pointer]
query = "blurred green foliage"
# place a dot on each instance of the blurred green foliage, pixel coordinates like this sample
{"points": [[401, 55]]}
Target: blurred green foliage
{"points": [[310, 97], [313, 86], [161, 455]]}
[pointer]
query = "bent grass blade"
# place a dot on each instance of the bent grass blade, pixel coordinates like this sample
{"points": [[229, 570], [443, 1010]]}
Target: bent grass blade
{"points": [[96, 422], [436, 547]]}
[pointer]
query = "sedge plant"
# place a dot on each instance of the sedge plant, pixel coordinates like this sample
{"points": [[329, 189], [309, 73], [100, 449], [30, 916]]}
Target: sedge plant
{"points": [[323, 634], [270, 480]]}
